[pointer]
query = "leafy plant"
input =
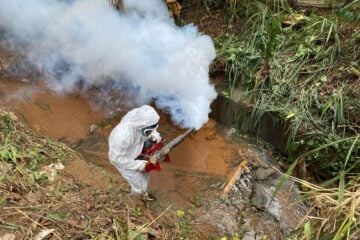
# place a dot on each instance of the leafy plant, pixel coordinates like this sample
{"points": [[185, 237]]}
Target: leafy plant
{"points": [[288, 70]]}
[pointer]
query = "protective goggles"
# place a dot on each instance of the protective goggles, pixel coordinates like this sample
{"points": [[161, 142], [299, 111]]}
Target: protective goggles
{"points": [[147, 130]]}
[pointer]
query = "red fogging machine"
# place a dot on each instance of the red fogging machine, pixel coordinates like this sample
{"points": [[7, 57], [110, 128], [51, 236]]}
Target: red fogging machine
{"points": [[160, 151]]}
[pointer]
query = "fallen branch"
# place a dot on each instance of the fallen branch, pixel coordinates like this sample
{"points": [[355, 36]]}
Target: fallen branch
{"points": [[240, 169]]}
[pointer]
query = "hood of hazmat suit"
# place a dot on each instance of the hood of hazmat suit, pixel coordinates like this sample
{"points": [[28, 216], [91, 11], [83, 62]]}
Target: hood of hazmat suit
{"points": [[126, 140]]}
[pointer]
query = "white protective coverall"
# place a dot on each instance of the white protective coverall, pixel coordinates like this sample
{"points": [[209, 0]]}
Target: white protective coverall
{"points": [[126, 142]]}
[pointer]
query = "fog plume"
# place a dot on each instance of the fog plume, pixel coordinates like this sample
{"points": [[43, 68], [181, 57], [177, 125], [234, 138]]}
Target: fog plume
{"points": [[91, 42]]}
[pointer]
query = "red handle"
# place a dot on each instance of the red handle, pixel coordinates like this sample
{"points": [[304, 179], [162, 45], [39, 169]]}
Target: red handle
{"points": [[149, 167]]}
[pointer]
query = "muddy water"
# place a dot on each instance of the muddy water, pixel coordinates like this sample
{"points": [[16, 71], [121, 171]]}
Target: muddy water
{"points": [[201, 160], [49, 114]]}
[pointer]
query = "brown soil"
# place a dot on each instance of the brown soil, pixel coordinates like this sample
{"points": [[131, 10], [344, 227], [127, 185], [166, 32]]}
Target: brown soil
{"points": [[212, 22]]}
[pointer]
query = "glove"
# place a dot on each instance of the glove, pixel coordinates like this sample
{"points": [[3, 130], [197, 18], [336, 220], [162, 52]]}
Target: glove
{"points": [[142, 166], [153, 159], [155, 136]]}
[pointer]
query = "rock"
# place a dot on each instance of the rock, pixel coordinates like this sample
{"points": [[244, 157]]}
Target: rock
{"points": [[284, 207], [231, 132], [262, 199], [249, 235], [93, 128], [262, 214], [217, 185], [220, 215], [261, 226], [262, 173]]}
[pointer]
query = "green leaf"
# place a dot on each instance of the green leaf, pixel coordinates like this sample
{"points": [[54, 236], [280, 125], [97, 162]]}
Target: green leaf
{"points": [[285, 176], [290, 115], [11, 226], [307, 230], [350, 151], [341, 187]]}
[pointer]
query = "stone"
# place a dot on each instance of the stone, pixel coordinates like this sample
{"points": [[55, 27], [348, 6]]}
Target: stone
{"points": [[249, 235], [93, 128], [262, 173]]}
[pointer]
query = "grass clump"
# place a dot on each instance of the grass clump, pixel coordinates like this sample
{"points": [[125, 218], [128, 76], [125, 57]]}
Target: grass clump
{"points": [[23, 152], [331, 217], [301, 66]]}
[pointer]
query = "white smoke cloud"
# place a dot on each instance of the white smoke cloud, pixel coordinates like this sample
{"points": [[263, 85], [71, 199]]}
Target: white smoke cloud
{"points": [[89, 40]]}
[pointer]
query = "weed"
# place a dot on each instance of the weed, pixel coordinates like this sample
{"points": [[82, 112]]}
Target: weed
{"points": [[59, 216], [24, 148], [289, 70], [327, 217], [299, 71]]}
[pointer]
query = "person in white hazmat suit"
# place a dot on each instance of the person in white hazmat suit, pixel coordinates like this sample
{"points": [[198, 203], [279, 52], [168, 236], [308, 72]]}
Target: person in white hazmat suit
{"points": [[126, 142]]}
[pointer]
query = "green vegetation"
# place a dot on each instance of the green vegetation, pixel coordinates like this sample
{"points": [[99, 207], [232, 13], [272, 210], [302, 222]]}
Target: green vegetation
{"points": [[331, 216], [302, 66], [24, 152]]}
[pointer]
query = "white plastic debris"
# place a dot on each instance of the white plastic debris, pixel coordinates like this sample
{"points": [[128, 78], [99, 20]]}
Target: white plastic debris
{"points": [[8, 236], [43, 233], [51, 170]]}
